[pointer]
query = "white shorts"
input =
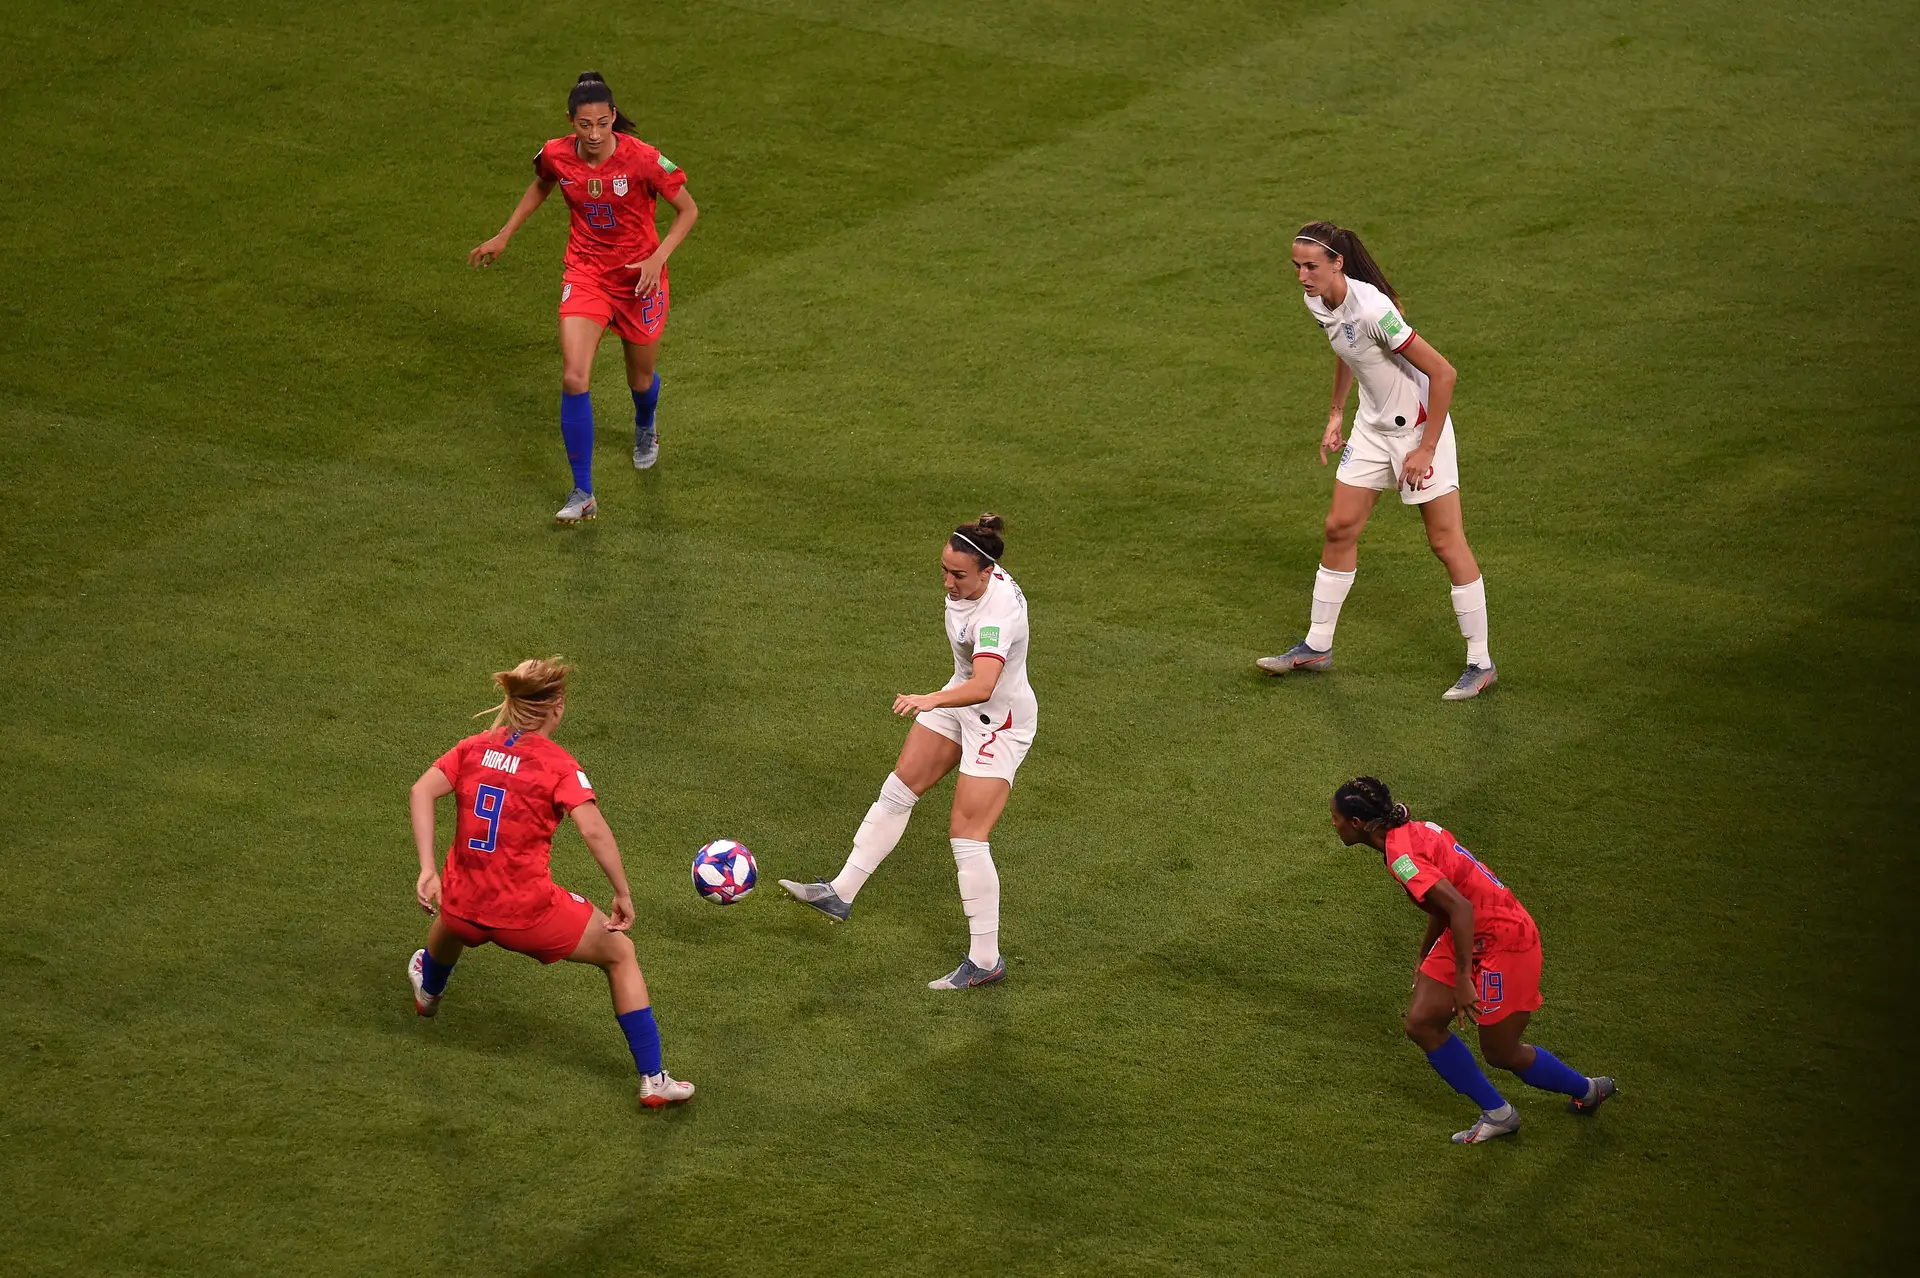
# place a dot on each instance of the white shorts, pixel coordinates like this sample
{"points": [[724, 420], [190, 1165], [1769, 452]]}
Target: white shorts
{"points": [[1374, 460], [987, 749]]}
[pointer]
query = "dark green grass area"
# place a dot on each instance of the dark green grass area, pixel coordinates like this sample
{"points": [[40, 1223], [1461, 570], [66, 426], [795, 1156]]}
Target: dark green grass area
{"points": [[278, 472]]}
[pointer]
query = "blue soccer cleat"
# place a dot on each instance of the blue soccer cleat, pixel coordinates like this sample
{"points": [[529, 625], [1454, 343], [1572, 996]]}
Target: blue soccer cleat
{"points": [[821, 896], [1476, 680], [970, 974], [1597, 1095], [1298, 657]]}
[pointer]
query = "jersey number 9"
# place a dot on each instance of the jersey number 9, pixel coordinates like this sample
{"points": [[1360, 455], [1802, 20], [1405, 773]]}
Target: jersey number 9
{"points": [[487, 802]]}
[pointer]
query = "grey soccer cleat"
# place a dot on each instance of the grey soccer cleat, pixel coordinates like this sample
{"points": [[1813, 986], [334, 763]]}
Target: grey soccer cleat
{"points": [[646, 448], [1475, 681], [1602, 1088], [1298, 657], [821, 896], [580, 506], [969, 974], [1487, 1128]]}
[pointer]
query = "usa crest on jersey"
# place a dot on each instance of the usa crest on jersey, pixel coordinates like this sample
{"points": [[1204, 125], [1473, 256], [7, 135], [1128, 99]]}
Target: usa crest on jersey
{"points": [[620, 185]]}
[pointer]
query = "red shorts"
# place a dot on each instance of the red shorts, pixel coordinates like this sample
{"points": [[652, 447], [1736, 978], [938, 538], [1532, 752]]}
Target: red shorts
{"points": [[609, 301], [556, 934], [1506, 970]]}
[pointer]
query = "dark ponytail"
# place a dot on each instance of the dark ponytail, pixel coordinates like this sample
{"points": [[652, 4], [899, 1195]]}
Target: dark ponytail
{"points": [[1367, 800], [590, 87], [1359, 263], [981, 539]]}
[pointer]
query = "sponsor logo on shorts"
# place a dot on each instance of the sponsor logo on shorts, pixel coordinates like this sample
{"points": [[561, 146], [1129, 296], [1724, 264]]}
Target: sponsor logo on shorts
{"points": [[566, 291], [1390, 323], [593, 188], [584, 783], [620, 185], [989, 636], [576, 896], [1404, 869]]}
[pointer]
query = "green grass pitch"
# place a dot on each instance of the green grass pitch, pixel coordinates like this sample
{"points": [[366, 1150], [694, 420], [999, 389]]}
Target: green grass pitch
{"points": [[278, 474]]}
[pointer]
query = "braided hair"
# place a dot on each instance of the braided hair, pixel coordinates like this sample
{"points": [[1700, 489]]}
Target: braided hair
{"points": [[1367, 800]]}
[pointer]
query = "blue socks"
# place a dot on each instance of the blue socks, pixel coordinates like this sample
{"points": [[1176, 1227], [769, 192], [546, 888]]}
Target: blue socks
{"points": [[1549, 1074], [576, 429], [434, 974], [1453, 1062], [644, 402], [643, 1039]]}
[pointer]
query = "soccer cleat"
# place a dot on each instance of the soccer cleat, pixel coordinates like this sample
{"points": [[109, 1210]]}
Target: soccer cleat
{"points": [[1298, 657], [1487, 1128], [424, 1003], [970, 974], [646, 448], [658, 1090], [821, 896], [1475, 681], [580, 506], [1603, 1088]]}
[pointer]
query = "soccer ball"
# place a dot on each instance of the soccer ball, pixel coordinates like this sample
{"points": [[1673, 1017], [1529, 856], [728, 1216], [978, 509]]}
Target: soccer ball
{"points": [[723, 871]]}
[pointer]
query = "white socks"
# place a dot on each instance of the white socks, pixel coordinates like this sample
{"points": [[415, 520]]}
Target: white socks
{"points": [[1329, 592], [878, 834], [1470, 606], [980, 898]]}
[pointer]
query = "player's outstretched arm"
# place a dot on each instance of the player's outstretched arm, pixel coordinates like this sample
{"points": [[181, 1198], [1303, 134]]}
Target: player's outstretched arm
{"points": [[685, 214], [599, 836], [1440, 380], [536, 195], [986, 677], [1333, 439], [430, 787]]}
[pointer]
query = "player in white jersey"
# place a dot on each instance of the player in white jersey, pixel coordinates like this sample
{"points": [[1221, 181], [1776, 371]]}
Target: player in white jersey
{"points": [[1402, 439], [982, 722]]}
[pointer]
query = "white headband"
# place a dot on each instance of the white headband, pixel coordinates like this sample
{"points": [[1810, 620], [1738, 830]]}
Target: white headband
{"points": [[976, 545], [1322, 243]]}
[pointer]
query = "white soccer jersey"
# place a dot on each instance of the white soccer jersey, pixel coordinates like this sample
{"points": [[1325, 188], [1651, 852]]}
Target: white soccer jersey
{"points": [[1368, 332], [994, 625]]}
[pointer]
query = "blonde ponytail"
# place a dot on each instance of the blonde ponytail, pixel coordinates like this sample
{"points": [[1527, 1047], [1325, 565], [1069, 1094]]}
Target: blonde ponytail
{"points": [[534, 689]]}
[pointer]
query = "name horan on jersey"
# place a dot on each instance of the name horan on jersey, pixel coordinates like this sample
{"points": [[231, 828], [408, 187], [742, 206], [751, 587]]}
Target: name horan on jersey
{"points": [[500, 759]]}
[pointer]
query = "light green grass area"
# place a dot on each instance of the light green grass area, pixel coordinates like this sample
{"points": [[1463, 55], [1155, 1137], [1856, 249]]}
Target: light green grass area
{"points": [[279, 471]]}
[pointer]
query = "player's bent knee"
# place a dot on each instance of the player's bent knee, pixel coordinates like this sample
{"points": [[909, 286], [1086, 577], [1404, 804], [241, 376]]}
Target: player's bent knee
{"points": [[1426, 1034], [576, 383]]}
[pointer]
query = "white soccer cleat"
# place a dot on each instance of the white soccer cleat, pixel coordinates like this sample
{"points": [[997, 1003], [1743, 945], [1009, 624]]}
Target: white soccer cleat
{"points": [[424, 1003], [580, 507], [1475, 681], [658, 1090], [1487, 1128]]}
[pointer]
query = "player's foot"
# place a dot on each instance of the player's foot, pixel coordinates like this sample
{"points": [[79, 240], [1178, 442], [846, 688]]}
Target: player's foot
{"points": [[1298, 657], [646, 448], [1601, 1088], [657, 1090], [1475, 681], [821, 896], [580, 506], [969, 974], [1490, 1126], [427, 1004]]}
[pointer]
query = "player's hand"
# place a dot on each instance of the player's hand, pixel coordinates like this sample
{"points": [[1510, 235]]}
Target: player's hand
{"points": [[427, 890], [909, 703], [620, 913], [1466, 1002], [649, 280], [1333, 439], [484, 255], [1419, 467]]}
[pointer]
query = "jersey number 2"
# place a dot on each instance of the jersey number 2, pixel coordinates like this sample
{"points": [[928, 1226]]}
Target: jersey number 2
{"points": [[487, 802]]}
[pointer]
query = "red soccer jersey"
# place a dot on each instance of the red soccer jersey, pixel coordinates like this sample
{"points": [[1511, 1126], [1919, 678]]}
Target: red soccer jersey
{"points": [[512, 790], [612, 202], [1420, 854]]}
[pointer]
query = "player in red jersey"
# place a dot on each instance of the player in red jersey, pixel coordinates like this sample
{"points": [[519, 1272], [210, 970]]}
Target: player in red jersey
{"points": [[616, 268], [512, 786], [1469, 911]]}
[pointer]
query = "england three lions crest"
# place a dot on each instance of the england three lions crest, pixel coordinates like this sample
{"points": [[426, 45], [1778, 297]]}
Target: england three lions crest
{"points": [[620, 185]]}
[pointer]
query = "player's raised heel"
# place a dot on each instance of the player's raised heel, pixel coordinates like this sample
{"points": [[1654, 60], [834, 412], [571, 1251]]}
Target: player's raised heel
{"points": [[580, 507], [970, 974], [1298, 657], [1489, 1128], [1603, 1088], [658, 1090], [1475, 681], [821, 896], [424, 1003]]}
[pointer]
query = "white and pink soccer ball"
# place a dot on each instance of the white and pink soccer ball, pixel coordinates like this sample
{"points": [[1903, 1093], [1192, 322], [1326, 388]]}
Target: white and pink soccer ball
{"points": [[724, 871]]}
